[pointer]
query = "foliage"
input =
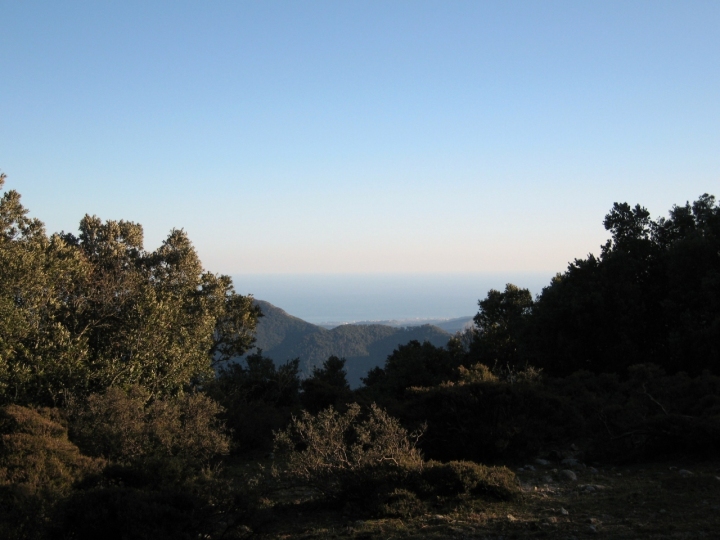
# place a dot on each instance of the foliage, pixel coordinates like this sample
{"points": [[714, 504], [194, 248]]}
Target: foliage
{"points": [[326, 387], [346, 455], [128, 427], [38, 465], [401, 503], [651, 295], [414, 365], [499, 326], [457, 478], [81, 314], [482, 417], [257, 397]]}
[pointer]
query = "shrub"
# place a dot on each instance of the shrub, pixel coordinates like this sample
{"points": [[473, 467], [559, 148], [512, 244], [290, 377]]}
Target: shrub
{"points": [[38, 465], [402, 503], [36, 452], [347, 455], [126, 427], [468, 478]]}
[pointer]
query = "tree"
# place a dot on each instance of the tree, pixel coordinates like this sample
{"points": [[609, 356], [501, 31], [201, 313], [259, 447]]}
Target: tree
{"points": [[258, 398], [79, 314], [414, 364], [651, 296], [39, 281], [327, 386], [499, 325]]}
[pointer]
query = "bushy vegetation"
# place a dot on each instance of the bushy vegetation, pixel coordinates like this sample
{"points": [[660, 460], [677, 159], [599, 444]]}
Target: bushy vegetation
{"points": [[372, 463], [128, 409], [258, 398]]}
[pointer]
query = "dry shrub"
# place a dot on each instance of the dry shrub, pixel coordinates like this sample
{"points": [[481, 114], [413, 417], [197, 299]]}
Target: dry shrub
{"points": [[125, 427], [347, 455], [36, 452], [38, 466], [371, 463]]}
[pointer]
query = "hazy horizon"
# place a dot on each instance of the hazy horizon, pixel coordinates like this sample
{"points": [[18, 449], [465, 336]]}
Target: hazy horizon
{"points": [[335, 298]]}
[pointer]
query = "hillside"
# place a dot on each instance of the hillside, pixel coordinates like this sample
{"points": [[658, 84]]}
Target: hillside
{"points": [[276, 327], [283, 337], [451, 326]]}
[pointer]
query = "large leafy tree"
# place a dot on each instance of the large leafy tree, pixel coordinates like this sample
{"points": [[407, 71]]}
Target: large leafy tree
{"points": [[83, 313]]}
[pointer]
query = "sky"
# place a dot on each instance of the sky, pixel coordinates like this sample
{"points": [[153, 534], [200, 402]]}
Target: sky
{"points": [[361, 137]]}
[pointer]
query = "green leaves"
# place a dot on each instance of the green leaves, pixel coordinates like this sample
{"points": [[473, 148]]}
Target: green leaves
{"points": [[81, 314]]}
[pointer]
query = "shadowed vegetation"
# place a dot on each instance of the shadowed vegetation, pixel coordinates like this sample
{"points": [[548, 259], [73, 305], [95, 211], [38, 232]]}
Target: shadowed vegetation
{"points": [[133, 406]]}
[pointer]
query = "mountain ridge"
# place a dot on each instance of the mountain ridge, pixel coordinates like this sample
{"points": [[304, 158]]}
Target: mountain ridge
{"points": [[283, 337]]}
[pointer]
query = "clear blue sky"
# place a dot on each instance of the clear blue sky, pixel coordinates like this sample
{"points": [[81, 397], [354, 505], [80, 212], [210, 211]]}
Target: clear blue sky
{"points": [[368, 136]]}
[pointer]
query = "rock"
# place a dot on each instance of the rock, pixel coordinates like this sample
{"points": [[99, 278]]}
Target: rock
{"points": [[564, 512], [568, 476], [547, 479], [529, 468], [593, 470], [542, 462], [592, 529], [511, 517], [590, 489], [685, 473], [551, 519], [570, 462]]}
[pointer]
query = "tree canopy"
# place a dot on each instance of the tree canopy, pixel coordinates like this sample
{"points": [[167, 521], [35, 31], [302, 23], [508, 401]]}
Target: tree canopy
{"points": [[79, 314]]}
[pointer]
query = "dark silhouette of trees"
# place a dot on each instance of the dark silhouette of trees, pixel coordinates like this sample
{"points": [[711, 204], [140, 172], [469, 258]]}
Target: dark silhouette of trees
{"points": [[651, 296], [327, 386], [499, 326]]}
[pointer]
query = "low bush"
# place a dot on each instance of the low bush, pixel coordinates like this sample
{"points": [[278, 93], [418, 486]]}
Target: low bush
{"points": [[646, 415], [402, 503], [347, 456], [369, 462], [458, 478], [38, 466], [126, 427]]}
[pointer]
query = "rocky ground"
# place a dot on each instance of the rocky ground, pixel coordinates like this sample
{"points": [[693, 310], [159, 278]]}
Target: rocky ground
{"points": [[565, 500]]}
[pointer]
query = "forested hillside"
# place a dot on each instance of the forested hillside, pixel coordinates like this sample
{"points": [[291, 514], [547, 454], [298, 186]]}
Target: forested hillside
{"points": [[283, 337]]}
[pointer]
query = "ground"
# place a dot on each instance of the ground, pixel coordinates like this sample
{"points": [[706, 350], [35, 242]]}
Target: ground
{"points": [[670, 500]]}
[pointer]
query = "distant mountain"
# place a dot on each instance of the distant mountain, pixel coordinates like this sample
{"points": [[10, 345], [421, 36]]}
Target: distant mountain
{"points": [[449, 325], [283, 337]]}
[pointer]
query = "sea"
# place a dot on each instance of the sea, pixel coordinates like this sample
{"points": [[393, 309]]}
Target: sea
{"points": [[332, 299]]}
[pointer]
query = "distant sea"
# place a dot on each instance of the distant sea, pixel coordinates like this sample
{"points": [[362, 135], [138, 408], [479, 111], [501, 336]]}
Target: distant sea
{"points": [[346, 298]]}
